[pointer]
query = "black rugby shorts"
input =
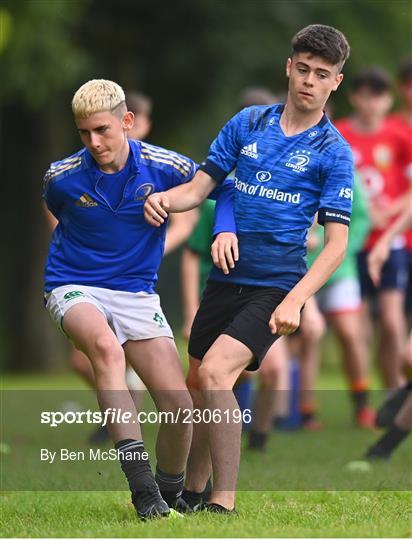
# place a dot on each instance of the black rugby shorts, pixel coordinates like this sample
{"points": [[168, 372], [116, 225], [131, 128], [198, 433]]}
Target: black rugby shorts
{"points": [[239, 311]]}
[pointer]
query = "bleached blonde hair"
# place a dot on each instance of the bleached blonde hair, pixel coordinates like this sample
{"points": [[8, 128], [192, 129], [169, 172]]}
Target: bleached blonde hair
{"points": [[97, 95]]}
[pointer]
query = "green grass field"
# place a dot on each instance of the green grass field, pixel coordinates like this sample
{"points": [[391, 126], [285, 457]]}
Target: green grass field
{"points": [[300, 487]]}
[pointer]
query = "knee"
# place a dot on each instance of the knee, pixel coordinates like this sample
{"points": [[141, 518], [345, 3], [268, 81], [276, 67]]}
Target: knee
{"points": [[318, 331], [390, 327], [107, 351], [269, 376], [312, 333], [181, 401], [177, 406], [209, 378]]}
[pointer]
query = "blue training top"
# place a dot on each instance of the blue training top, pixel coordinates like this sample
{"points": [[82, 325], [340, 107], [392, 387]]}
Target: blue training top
{"points": [[281, 182], [100, 241]]}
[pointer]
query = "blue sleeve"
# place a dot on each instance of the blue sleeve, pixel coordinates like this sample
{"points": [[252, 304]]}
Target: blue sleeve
{"points": [[184, 169], [50, 195], [224, 214], [224, 151], [337, 192]]}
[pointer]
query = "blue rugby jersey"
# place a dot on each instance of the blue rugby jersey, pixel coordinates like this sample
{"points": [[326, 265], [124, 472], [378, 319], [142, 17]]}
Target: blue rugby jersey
{"points": [[97, 245], [280, 184]]}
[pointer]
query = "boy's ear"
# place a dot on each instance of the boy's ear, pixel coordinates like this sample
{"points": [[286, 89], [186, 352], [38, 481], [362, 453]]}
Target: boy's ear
{"points": [[288, 66], [128, 120]]}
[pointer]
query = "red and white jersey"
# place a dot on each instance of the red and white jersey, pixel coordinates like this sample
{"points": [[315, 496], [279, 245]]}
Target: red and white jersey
{"points": [[383, 160], [399, 122]]}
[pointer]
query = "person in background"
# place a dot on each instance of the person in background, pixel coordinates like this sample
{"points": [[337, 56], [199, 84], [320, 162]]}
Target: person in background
{"points": [[381, 158], [401, 120], [340, 301], [286, 157], [395, 414]]}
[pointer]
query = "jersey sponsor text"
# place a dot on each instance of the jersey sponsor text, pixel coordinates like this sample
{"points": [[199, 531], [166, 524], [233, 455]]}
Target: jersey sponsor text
{"points": [[262, 191]]}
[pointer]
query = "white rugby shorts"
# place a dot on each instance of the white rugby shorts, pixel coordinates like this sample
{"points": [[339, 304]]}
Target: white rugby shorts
{"points": [[131, 316], [341, 296]]}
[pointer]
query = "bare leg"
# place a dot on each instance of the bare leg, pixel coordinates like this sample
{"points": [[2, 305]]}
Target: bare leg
{"points": [[312, 329], [392, 336], [270, 398], [199, 465], [81, 364], [355, 356], [348, 328], [90, 332], [158, 364], [220, 368]]}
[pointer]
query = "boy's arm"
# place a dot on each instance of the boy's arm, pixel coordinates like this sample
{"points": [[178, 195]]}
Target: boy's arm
{"points": [[286, 317], [380, 252], [334, 212], [178, 199], [51, 220], [222, 158], [225, 250]]}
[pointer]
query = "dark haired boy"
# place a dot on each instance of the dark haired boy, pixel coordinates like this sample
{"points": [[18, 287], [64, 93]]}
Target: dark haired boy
{"points": [[290, 163]]}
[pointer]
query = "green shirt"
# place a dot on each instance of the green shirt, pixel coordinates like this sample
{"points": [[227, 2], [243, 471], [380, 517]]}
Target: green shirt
{"points": [[201, 239], [359, 228]]}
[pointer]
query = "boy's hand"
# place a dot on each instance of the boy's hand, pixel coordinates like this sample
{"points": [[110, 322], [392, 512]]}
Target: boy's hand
{"points": [[376, 259], [286, 317], [225, 251], [156, 209]]}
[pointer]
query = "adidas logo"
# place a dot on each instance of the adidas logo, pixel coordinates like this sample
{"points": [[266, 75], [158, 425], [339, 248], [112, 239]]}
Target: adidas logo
{"points": [[250, 150], [85, 201]]}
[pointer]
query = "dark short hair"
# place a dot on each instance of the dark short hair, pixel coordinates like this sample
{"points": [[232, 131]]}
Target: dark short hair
{"points": [[374, 79], [405, 71], [139, 103], [255, 95], [324, 41]]}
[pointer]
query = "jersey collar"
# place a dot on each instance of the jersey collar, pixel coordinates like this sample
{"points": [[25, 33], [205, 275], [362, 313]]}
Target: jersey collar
{"points": [[134, 167], [322, 122]]}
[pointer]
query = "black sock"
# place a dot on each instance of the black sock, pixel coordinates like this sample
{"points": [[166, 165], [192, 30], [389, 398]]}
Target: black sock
{"points": [[257, 440], [192, 498], [360, 399], [170, 485], [388, 442], [206, 493], [135, 467]]}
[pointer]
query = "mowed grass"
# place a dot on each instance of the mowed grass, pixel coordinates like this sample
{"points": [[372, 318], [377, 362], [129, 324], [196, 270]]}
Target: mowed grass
{"points": [[262, 514], [300, 487]]}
